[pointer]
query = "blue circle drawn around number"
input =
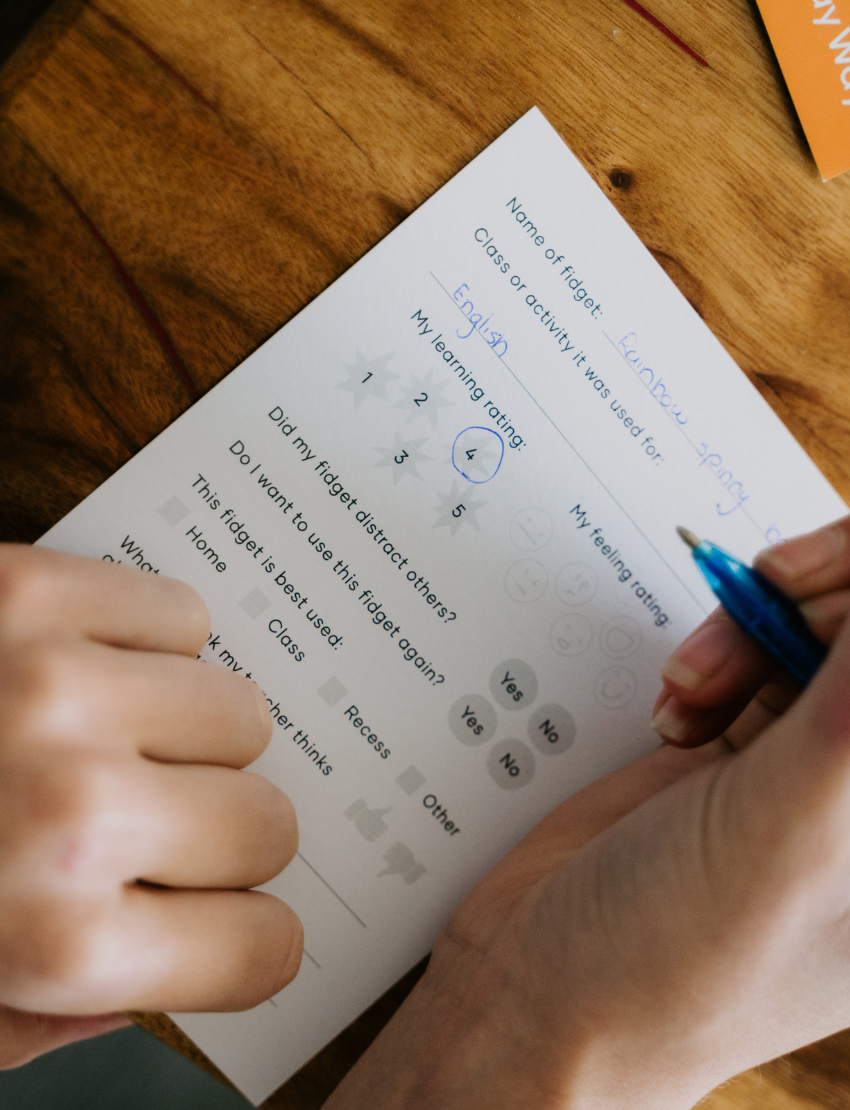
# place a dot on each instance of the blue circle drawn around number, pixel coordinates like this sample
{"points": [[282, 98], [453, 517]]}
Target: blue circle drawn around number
{"points": [[489, 431]]}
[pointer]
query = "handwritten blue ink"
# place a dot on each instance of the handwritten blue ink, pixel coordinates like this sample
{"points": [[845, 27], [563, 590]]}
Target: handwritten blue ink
{"points": [[653, 381], [733, 486], [466, 461], [494, 339]]}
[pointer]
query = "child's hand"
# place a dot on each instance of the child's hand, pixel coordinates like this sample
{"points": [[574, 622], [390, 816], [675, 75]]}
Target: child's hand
{"points": [[129, 836]]}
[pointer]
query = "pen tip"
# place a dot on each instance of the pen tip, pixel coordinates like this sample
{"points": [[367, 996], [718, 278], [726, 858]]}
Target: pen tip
{"points": [[689, 538]]}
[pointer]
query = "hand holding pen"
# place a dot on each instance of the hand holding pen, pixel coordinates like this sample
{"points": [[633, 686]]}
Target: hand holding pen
{"points": [[718, 675], [673, 923]]}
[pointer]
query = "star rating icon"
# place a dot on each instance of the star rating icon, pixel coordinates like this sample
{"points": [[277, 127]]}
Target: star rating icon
{"points": [[456, 508], [368, 378], [404, 457], [424, 397]]}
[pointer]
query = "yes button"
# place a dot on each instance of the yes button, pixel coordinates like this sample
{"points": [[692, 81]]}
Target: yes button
{"points": [[473, 720], [513, 684]]}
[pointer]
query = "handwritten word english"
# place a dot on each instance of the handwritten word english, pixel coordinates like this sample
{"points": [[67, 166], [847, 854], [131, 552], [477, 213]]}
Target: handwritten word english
{"points": [[494, 339], [502, 420], [475, 390]]}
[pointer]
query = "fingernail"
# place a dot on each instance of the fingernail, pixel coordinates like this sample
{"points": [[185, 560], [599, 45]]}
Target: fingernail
{"points": [[263, 708], [663, 697], [669, 725], [698, 658], [805, 554]]}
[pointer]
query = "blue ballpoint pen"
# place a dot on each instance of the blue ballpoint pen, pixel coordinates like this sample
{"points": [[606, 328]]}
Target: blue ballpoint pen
{"points": [[759, 609]]}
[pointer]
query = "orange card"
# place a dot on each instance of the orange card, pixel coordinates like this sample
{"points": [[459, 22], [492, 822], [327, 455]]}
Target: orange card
{"points": [[812, 42]]}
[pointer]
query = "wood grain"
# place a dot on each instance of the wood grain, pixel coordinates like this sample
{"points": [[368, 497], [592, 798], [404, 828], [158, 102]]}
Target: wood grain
{"points": [[179, 177]]}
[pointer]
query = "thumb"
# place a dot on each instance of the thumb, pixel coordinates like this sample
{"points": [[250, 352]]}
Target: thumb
{"points": [[23, 1036]]}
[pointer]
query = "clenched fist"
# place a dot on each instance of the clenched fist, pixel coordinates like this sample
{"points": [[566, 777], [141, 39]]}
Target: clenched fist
{"points": [[129, 832]]}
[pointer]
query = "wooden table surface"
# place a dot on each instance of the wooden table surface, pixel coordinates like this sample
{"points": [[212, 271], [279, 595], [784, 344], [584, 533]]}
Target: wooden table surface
{"points": [[179, 177]]}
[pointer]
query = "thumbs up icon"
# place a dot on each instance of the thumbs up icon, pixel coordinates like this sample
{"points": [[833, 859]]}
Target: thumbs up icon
{"points": [[369, 823]]}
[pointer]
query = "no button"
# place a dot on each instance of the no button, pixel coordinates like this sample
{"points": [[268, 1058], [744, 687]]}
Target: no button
{"points": [[551, 729], [511, 764]]}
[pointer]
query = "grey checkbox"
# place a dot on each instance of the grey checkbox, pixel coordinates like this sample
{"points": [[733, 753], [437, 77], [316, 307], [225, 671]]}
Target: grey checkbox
{"points": [[332, 691], [410, 780], [173, 511], [255, 603]]}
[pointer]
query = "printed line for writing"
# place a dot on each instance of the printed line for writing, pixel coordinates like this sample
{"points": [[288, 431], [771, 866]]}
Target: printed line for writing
{"points": [[687, 438], [581, 458], [333, 892], [312, 961]]}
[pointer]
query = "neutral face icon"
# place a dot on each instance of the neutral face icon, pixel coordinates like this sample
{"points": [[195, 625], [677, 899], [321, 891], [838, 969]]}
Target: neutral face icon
{"points": [[531, 529]]}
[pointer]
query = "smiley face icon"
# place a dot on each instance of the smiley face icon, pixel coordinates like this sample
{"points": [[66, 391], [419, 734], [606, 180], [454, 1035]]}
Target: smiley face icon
{"points": [[571, 634], [531, 529], [615, 687], [620, 637]]}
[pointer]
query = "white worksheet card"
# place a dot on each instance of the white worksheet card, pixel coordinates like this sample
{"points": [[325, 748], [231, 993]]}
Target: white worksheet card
{"points": [[434, 518]]}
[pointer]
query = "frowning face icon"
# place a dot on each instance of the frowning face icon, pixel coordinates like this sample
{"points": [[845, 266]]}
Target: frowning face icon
{"points": [[526, 580], [576, 583]]}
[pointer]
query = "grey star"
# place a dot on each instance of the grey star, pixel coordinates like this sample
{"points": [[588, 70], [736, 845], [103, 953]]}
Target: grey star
{"points": [[404, 457], [477, 452], [424, 397], [457, 508], [368, 378]]}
